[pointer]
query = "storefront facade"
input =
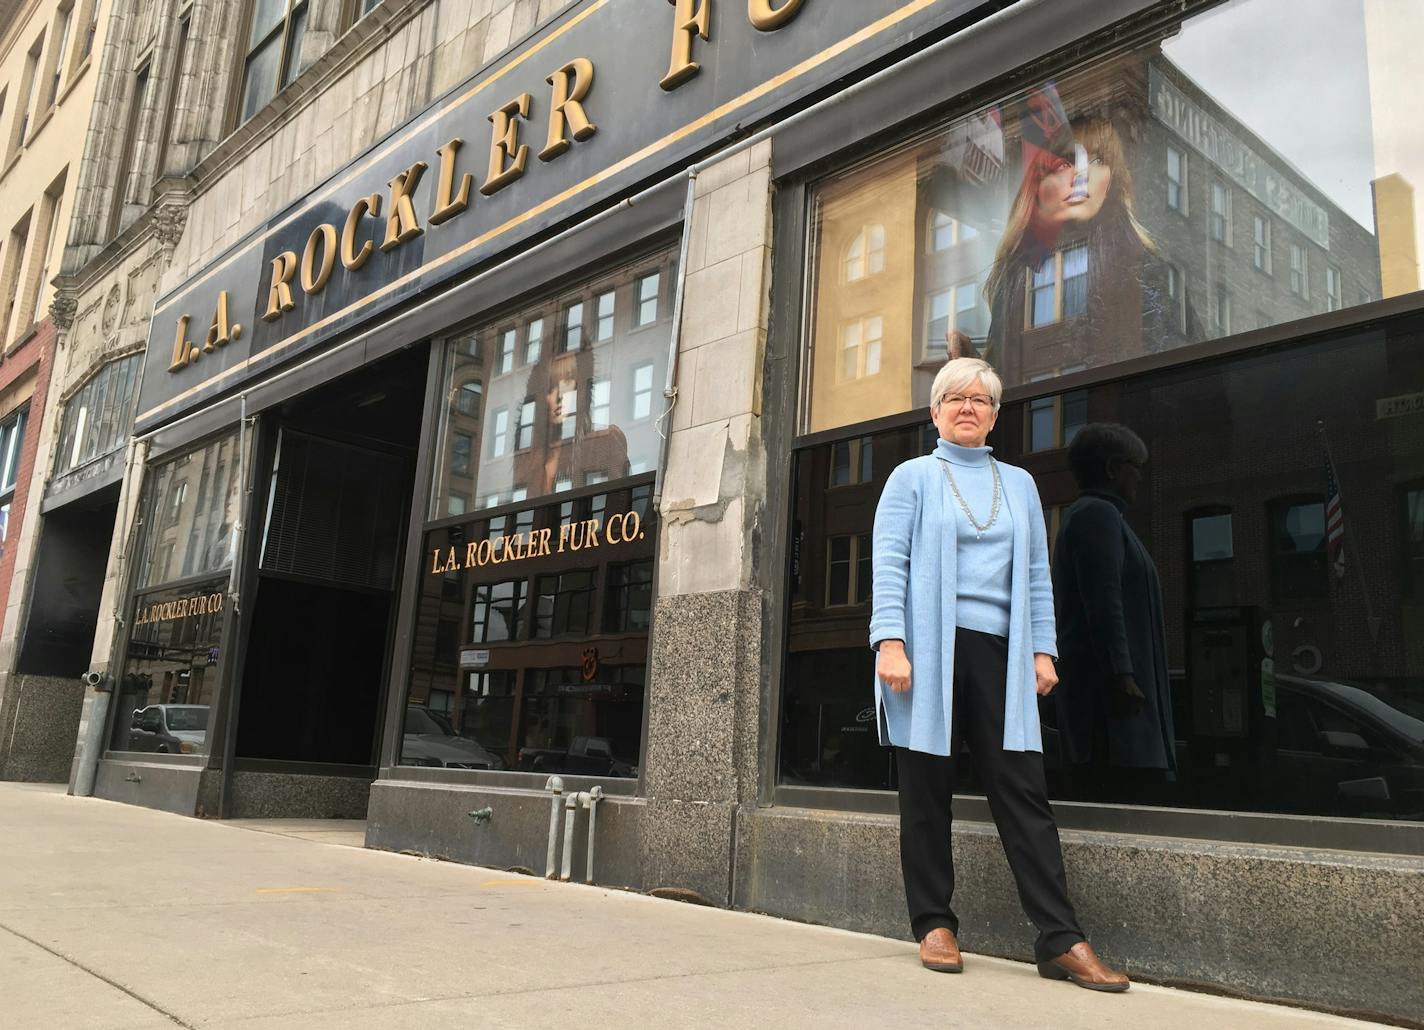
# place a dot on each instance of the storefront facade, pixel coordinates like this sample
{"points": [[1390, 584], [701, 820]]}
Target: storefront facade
{"points": [[543, 439]]}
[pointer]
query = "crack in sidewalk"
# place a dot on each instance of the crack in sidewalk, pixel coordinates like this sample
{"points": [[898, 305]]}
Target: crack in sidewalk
{"points": [[99, 976]]}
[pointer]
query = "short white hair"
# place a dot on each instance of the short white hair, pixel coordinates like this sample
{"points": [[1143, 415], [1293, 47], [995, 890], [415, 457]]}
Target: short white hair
{"points": [[960, 373]]}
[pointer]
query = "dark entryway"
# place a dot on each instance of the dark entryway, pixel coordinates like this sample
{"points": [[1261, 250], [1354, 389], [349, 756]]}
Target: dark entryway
{"points": [[331, 515]]}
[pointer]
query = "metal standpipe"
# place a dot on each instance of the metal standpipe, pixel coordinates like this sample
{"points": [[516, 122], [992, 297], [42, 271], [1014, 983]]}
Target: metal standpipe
{"points": [[571, 807], [555, 786], [594, 796]]}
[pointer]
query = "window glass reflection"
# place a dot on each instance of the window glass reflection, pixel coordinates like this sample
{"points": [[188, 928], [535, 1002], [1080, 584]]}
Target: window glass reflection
{"points": [[190, 509], [537, 417], [1238, 566], [1157, 199]]}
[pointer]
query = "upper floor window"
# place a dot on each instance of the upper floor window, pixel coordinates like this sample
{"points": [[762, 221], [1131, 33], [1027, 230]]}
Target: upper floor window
{"points": [[947, 231], [54, 66], [1221, 213], [29, 86], [860, 347], [1261, 244], [865, 254], [1334, 292], [1298, 558], [274, 51], [1058, 288], [97, 419], [1299, 271], [1177, 180]]}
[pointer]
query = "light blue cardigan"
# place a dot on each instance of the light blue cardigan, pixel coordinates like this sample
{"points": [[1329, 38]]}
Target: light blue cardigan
{"points": [[915, 563]]}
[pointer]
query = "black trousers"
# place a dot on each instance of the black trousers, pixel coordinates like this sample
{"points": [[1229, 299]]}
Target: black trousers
{"points": [[1018, 800]]}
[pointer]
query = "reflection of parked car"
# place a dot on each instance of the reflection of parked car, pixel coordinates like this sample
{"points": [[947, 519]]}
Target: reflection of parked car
{"points": [[1345, 745], [431, 740], [586, 756], [169, 729]]}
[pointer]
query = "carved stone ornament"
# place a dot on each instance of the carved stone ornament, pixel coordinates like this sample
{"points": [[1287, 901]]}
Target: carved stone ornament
{"points": [[62, 309], [169, 221], [111, 310]]}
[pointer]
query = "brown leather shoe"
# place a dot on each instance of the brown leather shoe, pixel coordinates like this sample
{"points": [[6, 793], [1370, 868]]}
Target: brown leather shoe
{"points": [[1081, 965], [940, 951]]}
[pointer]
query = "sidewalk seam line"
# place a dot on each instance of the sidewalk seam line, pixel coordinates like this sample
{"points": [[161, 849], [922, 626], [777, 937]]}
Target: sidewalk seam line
{"points": [[99, 976]]}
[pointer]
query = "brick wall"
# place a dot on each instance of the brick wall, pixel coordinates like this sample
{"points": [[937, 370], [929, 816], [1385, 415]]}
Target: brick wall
{"points": [[35, 356]]}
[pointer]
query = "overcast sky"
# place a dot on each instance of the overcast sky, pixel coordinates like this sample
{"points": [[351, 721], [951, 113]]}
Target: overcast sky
{"points": [[1295, 71]]}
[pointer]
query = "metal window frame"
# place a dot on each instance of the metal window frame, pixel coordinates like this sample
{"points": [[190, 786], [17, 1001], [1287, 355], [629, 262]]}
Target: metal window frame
{"points": [[996, 62]]}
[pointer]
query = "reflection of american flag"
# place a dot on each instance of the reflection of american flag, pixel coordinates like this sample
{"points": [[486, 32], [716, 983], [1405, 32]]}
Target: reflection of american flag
{"points": [[1334, 520]]}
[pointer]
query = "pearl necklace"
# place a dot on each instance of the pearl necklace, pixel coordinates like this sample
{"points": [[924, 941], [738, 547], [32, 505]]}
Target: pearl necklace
{"points": [[979, 530]]}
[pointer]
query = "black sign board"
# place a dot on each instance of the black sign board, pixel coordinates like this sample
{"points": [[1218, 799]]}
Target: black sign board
{"points": [[610, 95]]}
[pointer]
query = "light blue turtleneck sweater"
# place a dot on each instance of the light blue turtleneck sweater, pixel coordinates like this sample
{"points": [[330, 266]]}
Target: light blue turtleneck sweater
{"points": [[985, 563]]}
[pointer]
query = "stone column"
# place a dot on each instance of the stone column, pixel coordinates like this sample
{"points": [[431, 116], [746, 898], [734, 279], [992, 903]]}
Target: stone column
{"points": [[704, 678]]}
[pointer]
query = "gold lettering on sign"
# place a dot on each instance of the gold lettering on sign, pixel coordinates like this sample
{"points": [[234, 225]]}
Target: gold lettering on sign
{"points": [[351, 258], [507, 155], [184, 608], [279, 294], [183, 349], [571, 85], [692, 18], [766, 18], [219, 332], [448, 203], [314, 279], [401, 223]]}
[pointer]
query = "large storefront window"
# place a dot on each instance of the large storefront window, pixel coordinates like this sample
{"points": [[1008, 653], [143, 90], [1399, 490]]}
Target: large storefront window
{"points": [[532, 628], [559, 395], [1162, 197], [1279, 507], [168, 682]]}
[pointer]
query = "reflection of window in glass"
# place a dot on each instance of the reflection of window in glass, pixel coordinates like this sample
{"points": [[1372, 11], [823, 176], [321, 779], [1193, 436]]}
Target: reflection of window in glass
{"points": [[953, 310], [494, 615], [1261, 244], [1212, 550], [603, 328], [467, 401], [1297, 528], [848, 569], [563, 604], [499, 433], [1054, 421], [1411, 500], [460, 447], [563, 484], [860, 347], [630, 597], [533, 340], [505, 361], [1177, 180], [1058, 288], [568, 407], [1334, 299], [573, 328], [455, 505], [97, 419], [852, 461], [1221, 310], [865, 254], [640, 500], [1220, 222], [947, 231], [600, 397], [1177, 293], [1299, 271], [524, 428], [643, 391], [647, 311], [469, 346]]}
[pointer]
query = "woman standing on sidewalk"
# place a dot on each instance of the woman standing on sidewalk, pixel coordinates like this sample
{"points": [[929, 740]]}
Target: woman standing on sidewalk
{"points": [[963, 623]]}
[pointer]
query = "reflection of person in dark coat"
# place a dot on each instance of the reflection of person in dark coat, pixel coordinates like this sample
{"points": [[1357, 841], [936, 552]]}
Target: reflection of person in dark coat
{"points": [[1114, 701]]}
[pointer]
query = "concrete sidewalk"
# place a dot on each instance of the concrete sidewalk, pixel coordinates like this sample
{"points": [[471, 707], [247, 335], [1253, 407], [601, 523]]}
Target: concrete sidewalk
{"points": [[120, 918]]}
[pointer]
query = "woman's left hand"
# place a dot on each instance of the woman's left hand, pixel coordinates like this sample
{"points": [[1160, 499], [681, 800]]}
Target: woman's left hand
{"points": [[1045, 673]]}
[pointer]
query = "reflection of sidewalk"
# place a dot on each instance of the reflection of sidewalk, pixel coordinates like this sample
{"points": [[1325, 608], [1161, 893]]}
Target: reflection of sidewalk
{"points": [[120, 918]]}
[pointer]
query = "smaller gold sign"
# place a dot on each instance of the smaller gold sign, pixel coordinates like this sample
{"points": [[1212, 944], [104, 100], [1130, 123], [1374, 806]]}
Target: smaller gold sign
{"points": [[183, 608], [620, 528]]}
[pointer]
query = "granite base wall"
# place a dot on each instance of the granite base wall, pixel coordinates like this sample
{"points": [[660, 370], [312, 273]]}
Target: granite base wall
{"points": [[434, 820], [265, 795], [1326, 929], [39, 723]]}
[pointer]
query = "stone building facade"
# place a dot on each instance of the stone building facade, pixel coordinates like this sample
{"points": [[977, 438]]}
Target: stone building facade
{"points": [[48, 75]]}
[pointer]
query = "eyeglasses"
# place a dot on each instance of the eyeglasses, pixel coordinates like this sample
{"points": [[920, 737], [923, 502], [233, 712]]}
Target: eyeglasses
{"points": [[978, 401]]}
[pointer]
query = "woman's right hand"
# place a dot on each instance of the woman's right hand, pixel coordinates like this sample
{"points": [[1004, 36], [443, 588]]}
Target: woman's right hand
{"points": [[893, 666]]}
